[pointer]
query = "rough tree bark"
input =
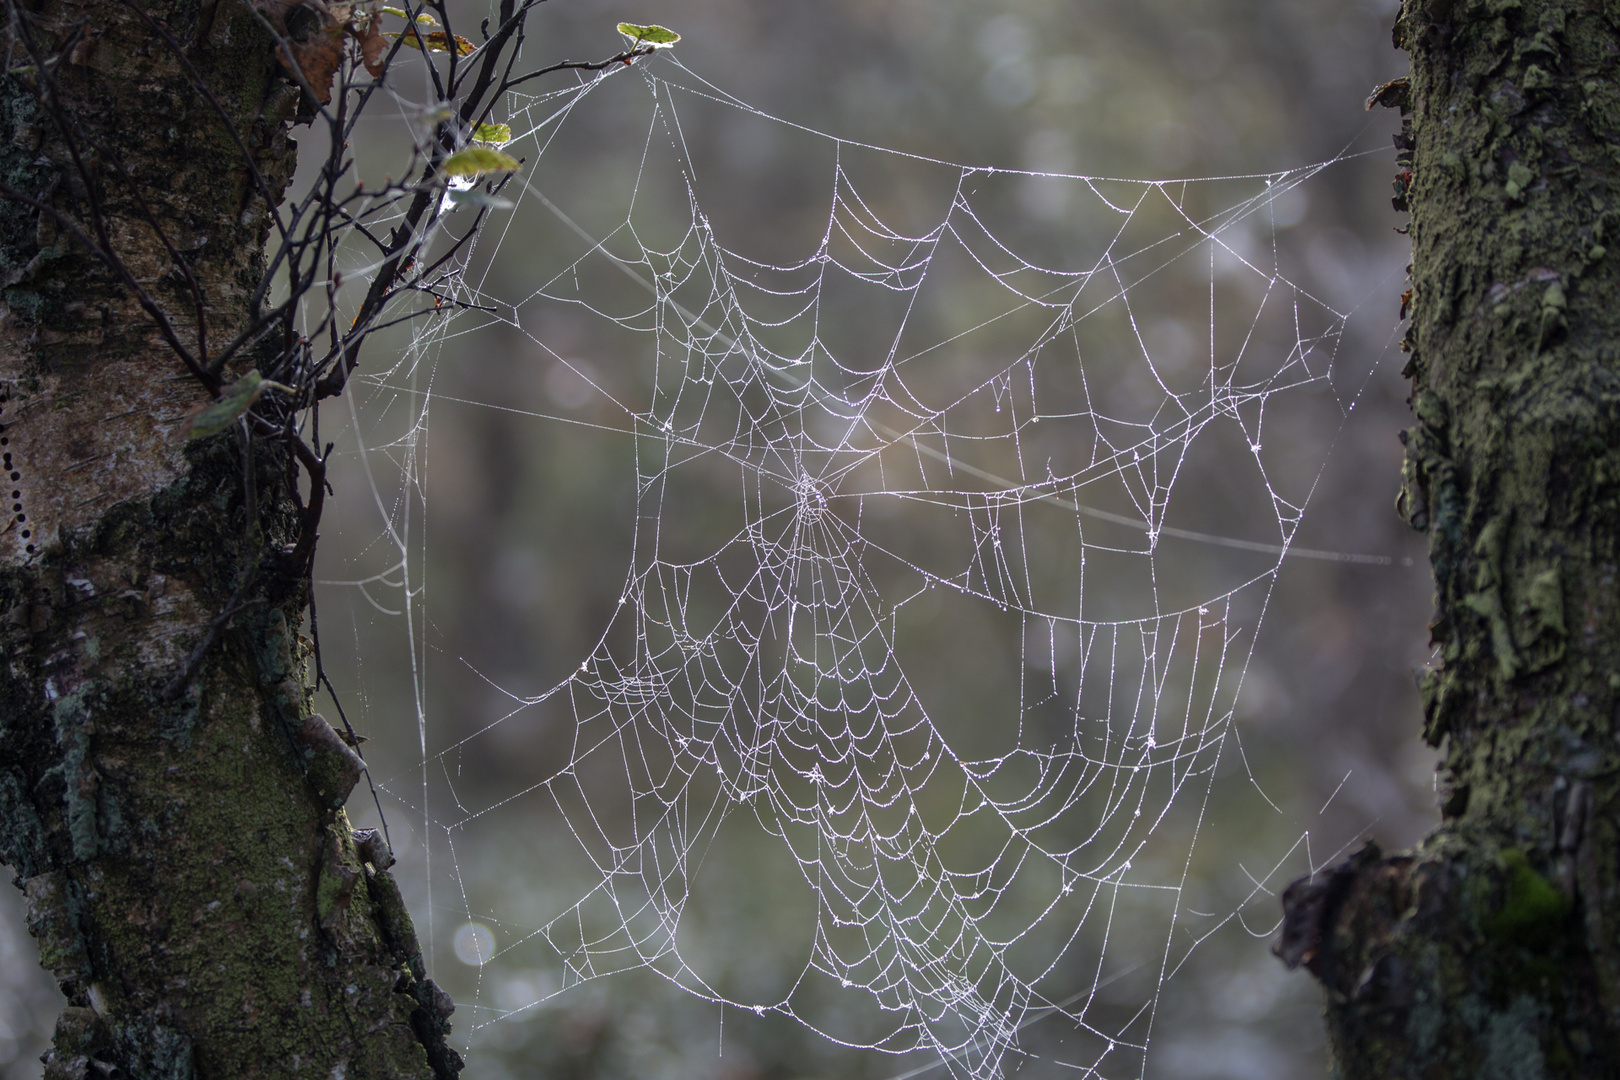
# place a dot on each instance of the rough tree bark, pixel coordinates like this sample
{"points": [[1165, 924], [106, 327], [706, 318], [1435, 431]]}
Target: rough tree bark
{"points": [[1493, 950], [171, 808]]}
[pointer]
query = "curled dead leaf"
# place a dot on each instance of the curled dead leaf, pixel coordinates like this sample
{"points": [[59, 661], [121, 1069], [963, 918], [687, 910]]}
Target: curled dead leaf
{"points": [[312, 41], [314, 35], [1395, 94], [373, 46], [317, 59]]}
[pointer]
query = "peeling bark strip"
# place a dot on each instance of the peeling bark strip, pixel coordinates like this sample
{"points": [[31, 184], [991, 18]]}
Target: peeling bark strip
{"points": [[173, 813], [1492, 950]]}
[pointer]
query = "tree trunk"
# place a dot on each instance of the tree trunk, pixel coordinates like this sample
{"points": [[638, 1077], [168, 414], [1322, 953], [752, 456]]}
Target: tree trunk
{"points": [[1492, 950], [170, 805]]}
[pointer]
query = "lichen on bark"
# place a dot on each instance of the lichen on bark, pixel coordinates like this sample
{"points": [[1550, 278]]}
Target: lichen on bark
{"points": [[1488, 951]]}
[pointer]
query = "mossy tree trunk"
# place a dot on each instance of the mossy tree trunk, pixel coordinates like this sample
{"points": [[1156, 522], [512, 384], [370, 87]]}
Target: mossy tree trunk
{"points": [[170, 807], [1493, 950]]}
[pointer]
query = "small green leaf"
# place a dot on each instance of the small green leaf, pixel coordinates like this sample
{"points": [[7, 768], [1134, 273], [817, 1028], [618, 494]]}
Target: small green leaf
{"points": [[478, 161], [425, 19], [213, 417], [492, 134], [656, 36]]}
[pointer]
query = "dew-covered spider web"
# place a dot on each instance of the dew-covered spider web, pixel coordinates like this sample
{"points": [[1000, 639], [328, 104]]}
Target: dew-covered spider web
{"points": [[948, 514]]}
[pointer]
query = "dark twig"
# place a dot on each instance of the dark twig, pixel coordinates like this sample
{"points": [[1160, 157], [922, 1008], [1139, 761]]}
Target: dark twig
{"points": [[513, 22], [315, 467], [48, 97], [458, 304], [580, 65], [402, 245], [472, 231]]}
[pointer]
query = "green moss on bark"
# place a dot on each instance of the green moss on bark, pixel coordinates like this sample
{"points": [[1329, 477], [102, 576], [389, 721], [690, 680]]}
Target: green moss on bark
{"points": [[1533, 911]]}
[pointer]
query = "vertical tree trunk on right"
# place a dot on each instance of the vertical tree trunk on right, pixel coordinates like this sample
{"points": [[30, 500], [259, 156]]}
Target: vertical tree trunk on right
{"points": [[1492, 950]]}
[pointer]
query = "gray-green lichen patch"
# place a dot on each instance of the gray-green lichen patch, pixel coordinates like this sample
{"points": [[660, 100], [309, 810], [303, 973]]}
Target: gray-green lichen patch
{"points": [[1513, 1042], [72, 714]]}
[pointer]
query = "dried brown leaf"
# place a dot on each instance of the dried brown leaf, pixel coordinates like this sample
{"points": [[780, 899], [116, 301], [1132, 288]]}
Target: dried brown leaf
{"points": [[437, 41], [373, 46], [314, 37], [1395, 94], [318, 59]]}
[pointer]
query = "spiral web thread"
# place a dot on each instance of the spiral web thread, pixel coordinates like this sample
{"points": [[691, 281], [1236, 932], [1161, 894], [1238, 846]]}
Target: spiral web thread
{"points": [[760, 669]]}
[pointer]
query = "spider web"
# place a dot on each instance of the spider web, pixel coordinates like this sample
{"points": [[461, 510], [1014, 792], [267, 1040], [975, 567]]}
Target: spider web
{"points": [[931, 431]]}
